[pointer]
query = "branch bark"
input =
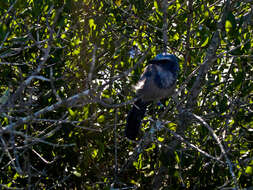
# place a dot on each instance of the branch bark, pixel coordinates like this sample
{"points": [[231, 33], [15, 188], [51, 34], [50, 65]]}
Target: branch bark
{"points": [[209, 59]]}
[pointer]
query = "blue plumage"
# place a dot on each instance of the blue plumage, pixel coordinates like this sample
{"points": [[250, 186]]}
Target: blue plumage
{"points": [[166, 56], [157, 82]]}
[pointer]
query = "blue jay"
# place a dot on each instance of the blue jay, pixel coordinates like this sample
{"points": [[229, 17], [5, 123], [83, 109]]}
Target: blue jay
{"points": [[157, 82]]}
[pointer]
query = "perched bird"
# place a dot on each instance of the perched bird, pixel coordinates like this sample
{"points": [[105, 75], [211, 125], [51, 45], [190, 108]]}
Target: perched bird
{"points": [[157, 82]]}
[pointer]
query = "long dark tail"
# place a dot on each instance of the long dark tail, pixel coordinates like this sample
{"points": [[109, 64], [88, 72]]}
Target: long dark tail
{"points": [[134, 118]]}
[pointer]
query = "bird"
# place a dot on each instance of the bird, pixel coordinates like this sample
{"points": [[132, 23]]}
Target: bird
{"points": [[157, 82]]}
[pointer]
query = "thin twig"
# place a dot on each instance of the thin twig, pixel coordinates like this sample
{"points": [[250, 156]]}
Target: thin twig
{"points": [[165, 5], [221, 147], [180, 138], [45, 110], [92, 66]]}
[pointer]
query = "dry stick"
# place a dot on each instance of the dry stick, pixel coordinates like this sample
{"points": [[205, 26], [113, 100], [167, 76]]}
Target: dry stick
{"points": [[165, 24], [92, 64], [33, 75], [74, 123], [38, 140], [7, 187], [115, 180], [221, 147], [58, 98], [45, 110], [180, 138], [41, 157], [12, 160], [188, 35]]}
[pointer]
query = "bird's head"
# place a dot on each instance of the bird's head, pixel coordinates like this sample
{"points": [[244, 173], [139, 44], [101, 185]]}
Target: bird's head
{"points": [[166, 56], [172, 60]]}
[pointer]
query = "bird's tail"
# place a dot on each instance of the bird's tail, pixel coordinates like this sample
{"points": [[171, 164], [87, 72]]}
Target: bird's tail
{"points": [[134, 118]]}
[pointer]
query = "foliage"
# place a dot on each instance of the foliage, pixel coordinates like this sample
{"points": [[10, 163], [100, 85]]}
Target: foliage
{"points": [[66, 87]]}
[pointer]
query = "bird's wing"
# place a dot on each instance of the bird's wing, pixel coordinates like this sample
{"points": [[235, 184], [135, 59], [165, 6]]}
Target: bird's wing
{"points": [[149, 89]]}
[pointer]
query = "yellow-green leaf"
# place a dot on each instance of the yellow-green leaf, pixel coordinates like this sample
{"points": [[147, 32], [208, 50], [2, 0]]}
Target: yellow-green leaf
{"points": [[71, 112], [228, 26], [118, 2], [205, 42], [94, 153], [101, 118], [156, 5], [92, 24], [249, 170], [160, 139], [134, 9], [176, 36], [206, 13]]}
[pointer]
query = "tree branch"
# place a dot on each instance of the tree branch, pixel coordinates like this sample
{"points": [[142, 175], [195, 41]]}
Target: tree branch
{"points": [[209, 59], [221, 147]]}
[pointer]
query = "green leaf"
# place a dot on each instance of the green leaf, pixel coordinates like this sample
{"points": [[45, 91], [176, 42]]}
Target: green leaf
{"points": [[160, 139], [249, 170], [77, 174], [3, 31], [134, 9], [118, 2], [92, 24], [177, 157], [176, 36], [94, 153], [228, 25], [71, 112], [206, 14], [156, 5], [101, 119], [138, 164], [205, 42]]}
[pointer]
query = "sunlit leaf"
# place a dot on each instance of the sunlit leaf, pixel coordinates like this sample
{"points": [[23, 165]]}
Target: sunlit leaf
{"points": [[71, 112], [101, 118], [94, 153], [118, 2], [77, 174], [249, 170], [92, 24], [156, 5], [228, 25], [205, 42], [176, 36]]}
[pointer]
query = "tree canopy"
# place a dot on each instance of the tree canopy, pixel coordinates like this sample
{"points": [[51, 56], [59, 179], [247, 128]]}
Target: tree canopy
{"points": [[66, 85]]}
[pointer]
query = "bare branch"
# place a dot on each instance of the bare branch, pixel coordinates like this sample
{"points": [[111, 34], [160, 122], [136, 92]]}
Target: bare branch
{"points": [[209, 59], [165, 5], [221, 147], [180, 138], [41, 157], [46, 109], [92, 66]]}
